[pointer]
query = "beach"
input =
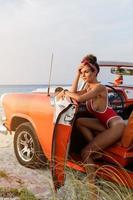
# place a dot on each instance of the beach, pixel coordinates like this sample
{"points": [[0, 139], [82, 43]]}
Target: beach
{"points": [[15, 176], [12, 174], [39, 182]]}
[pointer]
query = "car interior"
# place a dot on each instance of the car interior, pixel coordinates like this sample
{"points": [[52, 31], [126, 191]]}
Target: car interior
{"points": [[117, 152]]}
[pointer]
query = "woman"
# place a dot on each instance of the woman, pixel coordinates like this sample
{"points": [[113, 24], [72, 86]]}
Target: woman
{"points": [[107, 123]]}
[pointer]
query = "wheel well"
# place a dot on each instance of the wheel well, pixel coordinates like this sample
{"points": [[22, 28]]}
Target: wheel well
{"points": [[16, 121]]}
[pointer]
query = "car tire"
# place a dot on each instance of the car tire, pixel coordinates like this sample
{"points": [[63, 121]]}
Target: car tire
{"points": [[27, 147]]}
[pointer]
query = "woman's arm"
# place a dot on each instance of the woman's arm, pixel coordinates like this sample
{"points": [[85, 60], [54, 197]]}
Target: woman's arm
{"points": [[88, 95], [74, 86], [81, 92], [60, 95]]}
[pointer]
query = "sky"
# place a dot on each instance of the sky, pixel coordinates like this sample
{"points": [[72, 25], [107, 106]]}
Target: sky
{"points": [[31, 30]]}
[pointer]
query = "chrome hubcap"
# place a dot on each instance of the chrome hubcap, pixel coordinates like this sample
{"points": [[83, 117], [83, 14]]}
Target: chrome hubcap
{"points": [[25, 146]]}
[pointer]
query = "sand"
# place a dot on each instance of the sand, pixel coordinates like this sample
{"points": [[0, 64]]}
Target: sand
{"points": [[38, 181]]}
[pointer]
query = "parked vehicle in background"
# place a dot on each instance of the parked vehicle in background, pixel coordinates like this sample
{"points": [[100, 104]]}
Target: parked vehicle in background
{"points": [[39, 136]]}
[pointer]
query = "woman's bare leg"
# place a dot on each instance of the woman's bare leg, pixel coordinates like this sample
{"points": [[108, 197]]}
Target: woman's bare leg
{"points": [[100, 142], [87, 125], [86, 133], [103, 140]]}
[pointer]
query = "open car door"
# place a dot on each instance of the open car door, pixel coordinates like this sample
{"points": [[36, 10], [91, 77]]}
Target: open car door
{"points": [[61, 138]]}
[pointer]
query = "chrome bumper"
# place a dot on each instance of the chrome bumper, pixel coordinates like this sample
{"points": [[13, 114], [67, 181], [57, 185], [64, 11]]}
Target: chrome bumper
{"points": [[3, 129]]}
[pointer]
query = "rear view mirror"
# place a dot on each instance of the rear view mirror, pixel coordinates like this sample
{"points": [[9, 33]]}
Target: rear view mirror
{"points": [[121, 71]]}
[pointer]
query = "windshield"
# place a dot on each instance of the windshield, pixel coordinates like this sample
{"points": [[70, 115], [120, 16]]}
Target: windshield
{"points": [[105, 76]]}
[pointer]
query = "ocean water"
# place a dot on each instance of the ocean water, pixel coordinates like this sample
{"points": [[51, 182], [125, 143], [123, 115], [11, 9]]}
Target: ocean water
{"points": [[27, 88]]}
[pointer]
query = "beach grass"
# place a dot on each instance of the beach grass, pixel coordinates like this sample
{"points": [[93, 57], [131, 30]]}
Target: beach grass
{"points": [[23, 193], [3, 174], [78, 187]]}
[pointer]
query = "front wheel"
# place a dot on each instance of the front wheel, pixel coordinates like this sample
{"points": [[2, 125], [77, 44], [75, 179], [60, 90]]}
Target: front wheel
{"points": [[27, 147]]}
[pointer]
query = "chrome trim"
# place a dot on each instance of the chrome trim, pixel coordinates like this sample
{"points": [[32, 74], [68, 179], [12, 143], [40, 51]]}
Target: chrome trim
{"points": [[3, 129]]}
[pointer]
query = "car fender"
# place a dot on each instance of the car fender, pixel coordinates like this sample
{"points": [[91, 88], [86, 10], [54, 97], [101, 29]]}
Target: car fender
{"points": [[39, 130]]}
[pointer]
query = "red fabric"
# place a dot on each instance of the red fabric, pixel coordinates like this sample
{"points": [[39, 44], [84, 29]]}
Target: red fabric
{"points": [[105, 116], [118, 80], [85, 62], [93, 67]]}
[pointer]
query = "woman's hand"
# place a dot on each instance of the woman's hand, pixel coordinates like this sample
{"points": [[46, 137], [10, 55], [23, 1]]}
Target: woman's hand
{"points": [[60, 95], [65, 92], [79, 68], [74, 87], [70, 94]]}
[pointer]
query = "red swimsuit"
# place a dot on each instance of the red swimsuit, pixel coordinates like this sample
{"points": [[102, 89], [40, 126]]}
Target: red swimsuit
{"points": [[104, 116]]}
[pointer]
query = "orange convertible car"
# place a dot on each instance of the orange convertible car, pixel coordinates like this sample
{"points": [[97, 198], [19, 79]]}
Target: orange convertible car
{"points": [[44, 130]]}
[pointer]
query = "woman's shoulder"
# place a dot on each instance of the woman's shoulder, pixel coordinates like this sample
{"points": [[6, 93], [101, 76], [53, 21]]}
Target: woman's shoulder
{"points": [[100, 86], [97, 87]]}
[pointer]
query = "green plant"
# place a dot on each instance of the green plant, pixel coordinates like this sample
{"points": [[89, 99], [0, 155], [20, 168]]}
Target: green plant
{"points": [[3, 174], [25, 194]]}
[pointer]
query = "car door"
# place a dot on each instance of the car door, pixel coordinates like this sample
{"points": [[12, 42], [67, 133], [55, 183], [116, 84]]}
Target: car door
{"points": [[60, 143]]}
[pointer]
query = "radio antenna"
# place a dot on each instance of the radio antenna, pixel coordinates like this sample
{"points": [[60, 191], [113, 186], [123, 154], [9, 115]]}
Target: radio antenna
{"points": [[50, 73]]}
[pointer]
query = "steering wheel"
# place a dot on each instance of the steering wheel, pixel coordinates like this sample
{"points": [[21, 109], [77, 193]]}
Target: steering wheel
{"points": [[116, 100]]}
